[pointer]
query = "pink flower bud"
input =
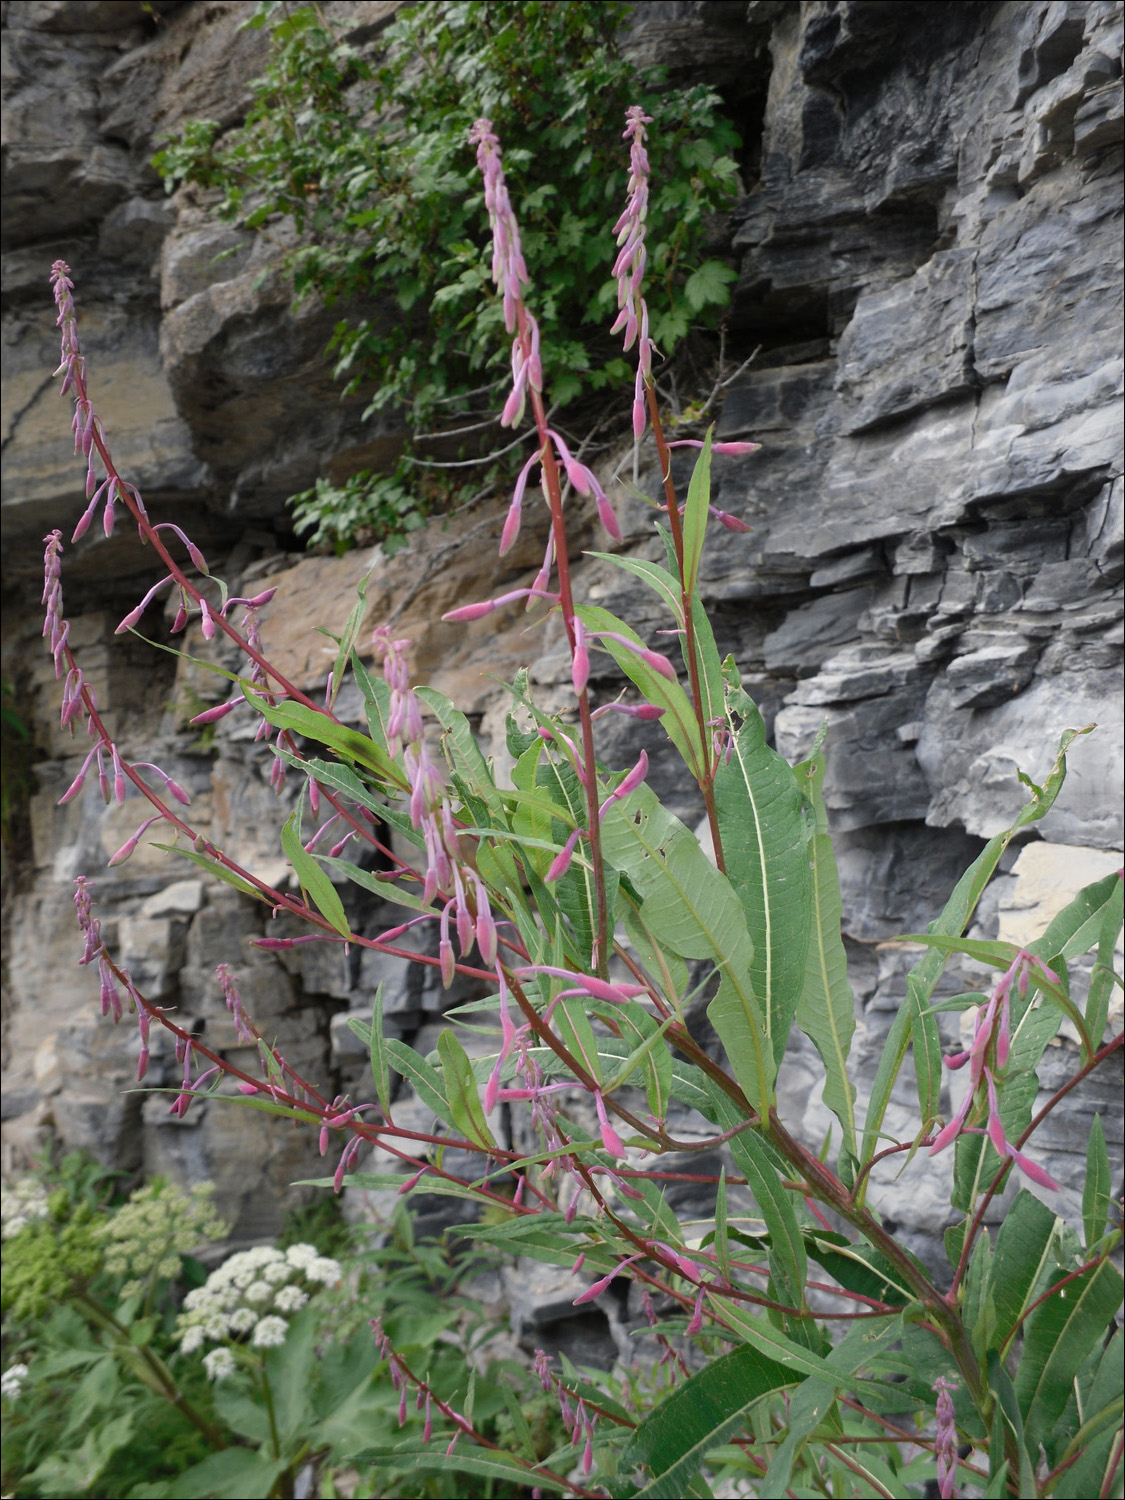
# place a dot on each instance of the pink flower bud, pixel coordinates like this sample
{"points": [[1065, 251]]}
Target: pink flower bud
{"points": [[598, 1287], [220, 711], [732, 523], [448, 962], [206, 620], [127, 848], [608, 517], [610, 1139], [561, 862]]}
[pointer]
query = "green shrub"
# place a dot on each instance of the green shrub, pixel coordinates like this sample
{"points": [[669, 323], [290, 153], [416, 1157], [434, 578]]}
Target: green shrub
{"points": [[371, 164]]}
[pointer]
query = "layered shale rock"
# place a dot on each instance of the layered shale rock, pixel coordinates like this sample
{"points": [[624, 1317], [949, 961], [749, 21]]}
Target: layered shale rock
{"points": [[929, 266]]}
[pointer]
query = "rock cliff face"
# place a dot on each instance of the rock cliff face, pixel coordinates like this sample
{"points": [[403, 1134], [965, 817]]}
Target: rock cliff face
{"points": [[929, 254]]}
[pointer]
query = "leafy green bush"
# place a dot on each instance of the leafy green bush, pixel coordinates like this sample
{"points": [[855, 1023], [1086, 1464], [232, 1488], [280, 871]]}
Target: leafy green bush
{"points": [[268, 1365], [371, 164]]}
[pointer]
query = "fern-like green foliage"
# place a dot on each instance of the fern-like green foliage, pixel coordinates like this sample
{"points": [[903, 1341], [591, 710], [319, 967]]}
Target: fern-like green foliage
{"points": [[371, 161]]}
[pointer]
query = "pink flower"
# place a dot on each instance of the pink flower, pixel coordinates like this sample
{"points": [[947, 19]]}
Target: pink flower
{"points": [[988, 1054], [629, 267], [945, 1439], [598, 1287]]}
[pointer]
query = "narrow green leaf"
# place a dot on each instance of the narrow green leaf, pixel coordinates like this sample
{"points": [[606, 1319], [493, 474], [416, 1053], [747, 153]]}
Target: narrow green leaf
{"points": [[661, 964], [314, 724], [952, 922], [1103, 978], [241, 1473], [463, 752], [213, 867], [712, 685], [698, 915], [1058, 1336], [1097, 1193], [695, 514], [679, 717], [654, 575], [388, 890], [577, 1035], [826, 1006], [1008, 1412], [351, 635], [651, 1051], [673, 1441], [762, 1167], [427, 1081], [763, 833], [775, 1203], [480, 1462], [1096, 1440], [1025, 1246], [519, 1421], [380, 1071], [315, 884], [812, 1401], [722, 1246], [1077, 928], [376, 701]]}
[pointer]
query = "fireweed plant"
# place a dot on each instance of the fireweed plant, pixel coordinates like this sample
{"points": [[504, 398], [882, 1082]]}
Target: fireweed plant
{"points": [[804, 1349]]}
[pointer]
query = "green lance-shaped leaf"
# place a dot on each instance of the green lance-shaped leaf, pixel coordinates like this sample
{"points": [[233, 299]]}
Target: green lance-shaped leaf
{"points": [[1097, 1193], [463, 752], [650, 1052], [1007, 1414], [1103, 979], [678, 720], [1096, 1441], [577, 1035], [351, 635], [313, 724], [762, 1167], [673, 1441], [1059, 1336], [697, 914], [427, 1081], [376, 701], [695, 514], [380, 1070], [461, 1090], [825, 1006], [763, 833], [315, 884], [659, 579], [480, 1463], [722, 1242], [921, 981], [813, 1399], [213, 867], [1023, 1261], [1077, 928]]}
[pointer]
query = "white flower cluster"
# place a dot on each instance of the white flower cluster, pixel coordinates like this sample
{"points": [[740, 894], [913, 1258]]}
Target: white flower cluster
{"points": [[21, 1202], [243, 1300], [11, 1381], [158, 1225]]}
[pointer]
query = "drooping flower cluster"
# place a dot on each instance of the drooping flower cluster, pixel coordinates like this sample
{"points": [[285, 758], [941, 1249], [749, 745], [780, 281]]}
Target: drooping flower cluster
{"points": [[945, 1439], [447, 873], [629, 267], [159, 1224], [248, 1300], [21, 1203], [988, 1055]]}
